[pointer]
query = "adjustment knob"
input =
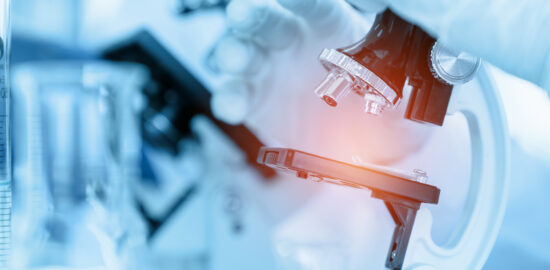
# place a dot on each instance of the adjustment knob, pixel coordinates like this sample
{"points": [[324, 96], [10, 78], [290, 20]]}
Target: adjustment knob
{"points": [[452, 67]]}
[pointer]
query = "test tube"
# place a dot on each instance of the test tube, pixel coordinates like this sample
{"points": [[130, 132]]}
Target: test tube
{"points": [[5, 156]]}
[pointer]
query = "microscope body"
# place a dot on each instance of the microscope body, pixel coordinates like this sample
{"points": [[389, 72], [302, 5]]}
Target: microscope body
{"points": [[392, 54]]}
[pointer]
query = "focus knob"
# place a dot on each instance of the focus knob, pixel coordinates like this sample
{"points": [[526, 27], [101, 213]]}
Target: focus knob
{"points": [[452, 67]]}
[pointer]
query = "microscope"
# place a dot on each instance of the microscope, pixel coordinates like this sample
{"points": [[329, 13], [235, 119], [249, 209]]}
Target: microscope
{"points": [[393, 54]]}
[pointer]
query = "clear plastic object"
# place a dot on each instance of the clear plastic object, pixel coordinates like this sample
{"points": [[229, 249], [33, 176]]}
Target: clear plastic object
{"points": [[76, 153], [5, 173]]}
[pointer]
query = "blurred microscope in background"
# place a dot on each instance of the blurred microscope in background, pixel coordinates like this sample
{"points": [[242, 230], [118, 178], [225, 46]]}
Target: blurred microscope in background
{"points": [[136, 127]]}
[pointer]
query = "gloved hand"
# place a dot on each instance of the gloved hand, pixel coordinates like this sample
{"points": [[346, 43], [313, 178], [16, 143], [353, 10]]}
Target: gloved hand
{"points": [[269, 58]]}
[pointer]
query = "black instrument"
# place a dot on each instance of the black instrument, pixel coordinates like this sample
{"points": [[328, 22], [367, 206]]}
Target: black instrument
{"points": [[401, 195]]}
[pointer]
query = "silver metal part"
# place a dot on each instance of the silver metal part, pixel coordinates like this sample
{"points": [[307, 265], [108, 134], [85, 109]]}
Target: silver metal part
{"points": [[335, 85], [378, 95], [316, 178], [452, 67], [421, 176], [375, 103]]}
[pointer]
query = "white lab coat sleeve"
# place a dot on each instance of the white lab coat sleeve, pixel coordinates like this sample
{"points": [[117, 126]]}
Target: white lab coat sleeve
{"points": [[512, 35]]}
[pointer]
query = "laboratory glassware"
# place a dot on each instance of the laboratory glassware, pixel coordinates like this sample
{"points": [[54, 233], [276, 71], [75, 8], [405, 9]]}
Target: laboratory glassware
{"points": [[5, 153], [78, 145]]}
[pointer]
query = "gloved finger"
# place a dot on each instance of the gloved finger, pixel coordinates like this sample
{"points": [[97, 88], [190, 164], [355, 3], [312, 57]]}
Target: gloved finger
{"points": [[328, 16], [369, 6], [264, 22], [187, 6], [237, 56], [232, 102]]}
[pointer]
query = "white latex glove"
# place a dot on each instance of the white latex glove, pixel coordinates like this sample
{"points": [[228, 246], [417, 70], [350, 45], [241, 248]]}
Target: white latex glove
{"points": [[512, 35], [269, 58]]}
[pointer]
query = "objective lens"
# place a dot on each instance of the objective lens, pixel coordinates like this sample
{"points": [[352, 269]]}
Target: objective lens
{"points": [[333, 88]]}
